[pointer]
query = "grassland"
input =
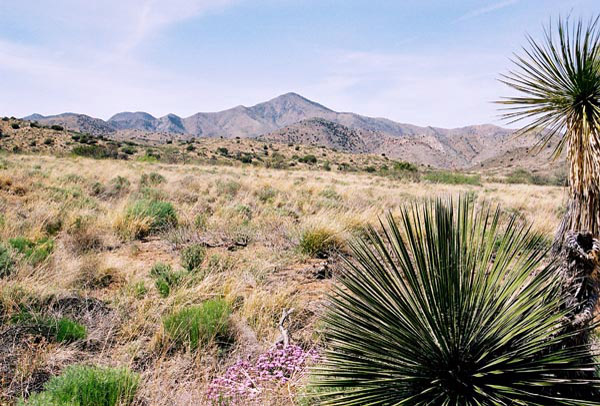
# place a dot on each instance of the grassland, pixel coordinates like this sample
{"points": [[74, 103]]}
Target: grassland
{"points": [[122, 248]]}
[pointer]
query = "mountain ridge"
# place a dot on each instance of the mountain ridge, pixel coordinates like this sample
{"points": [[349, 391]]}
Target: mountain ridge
{"points": [[292, 118]]}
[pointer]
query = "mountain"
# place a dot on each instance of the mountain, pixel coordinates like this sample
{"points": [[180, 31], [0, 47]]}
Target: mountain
{"points": [[134, 121], [291, 118], [75, 122]]}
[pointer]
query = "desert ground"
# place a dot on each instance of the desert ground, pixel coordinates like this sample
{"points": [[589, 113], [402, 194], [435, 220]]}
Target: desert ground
{"points": [[262, 240]]}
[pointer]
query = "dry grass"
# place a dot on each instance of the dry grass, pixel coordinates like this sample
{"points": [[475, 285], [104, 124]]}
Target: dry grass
{"points": [[252, 221]]}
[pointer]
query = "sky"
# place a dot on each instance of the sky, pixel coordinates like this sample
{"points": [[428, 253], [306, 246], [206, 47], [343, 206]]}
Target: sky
{"points": [[425, 62]]}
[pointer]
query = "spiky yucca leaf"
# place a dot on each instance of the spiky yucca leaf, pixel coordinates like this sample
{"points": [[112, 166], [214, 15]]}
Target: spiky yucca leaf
{"points": [[445, 307], [558, 80]]}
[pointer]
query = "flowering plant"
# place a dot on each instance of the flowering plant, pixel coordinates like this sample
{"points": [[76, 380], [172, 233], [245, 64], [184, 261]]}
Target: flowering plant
{"points": [[247, 380]]}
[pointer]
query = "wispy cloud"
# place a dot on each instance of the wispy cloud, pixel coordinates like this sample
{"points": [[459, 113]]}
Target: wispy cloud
{"points": [[486, 10], [150, 16]]}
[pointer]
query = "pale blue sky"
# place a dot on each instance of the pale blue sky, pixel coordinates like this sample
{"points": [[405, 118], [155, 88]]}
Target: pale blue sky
{"points": [[415, 61]]}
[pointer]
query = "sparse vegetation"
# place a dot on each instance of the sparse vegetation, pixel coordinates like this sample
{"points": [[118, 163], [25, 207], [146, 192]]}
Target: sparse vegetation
{"points": [[272, 240], [94, 151], [452, 178]]}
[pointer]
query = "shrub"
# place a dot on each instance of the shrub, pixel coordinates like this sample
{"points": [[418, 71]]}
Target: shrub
{"points": [[94, 151], [319, 242], [432, 312], [453, 178], [34, 124], [404, 166], [370, 169], [223, 151], [165, 278], [145, 217], [57, 127], [192, 257], [34, 251], [129, 150], [152, 179], [229, 188], [196, 325], [267, 194], [15, 126], [526, 177], [80, 385], [48, 141], [245, 158], [62, 330], [68, 330], [7, 262], [308, 159]]}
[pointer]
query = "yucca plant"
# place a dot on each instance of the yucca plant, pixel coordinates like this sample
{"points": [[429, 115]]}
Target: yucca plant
{"points": [[558, 81], [445, 306]]}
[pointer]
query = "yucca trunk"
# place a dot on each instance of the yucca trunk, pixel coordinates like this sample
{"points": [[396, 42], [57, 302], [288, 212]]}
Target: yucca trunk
{"points": [[583, 207]]}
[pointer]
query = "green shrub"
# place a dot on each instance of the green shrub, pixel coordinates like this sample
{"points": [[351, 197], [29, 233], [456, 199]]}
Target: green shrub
{"points": [[7, 262], [165, 279], [223, 151], [80, 385], [319, 242], [152, 179], [48, 141], [15, 126], [192, 257], [148, 216], [525, 177], [196, 325], [34, 251], [452, 178], [34, 124], [95, 151], [57, 127], [129, 150], [150, 157], [68, 330], [431, 311], [308, 159], [404, 166], [62, 330]]}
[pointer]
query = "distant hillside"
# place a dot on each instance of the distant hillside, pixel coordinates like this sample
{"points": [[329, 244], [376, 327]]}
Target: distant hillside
{"points": [[75, 122], [291, 118]]}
